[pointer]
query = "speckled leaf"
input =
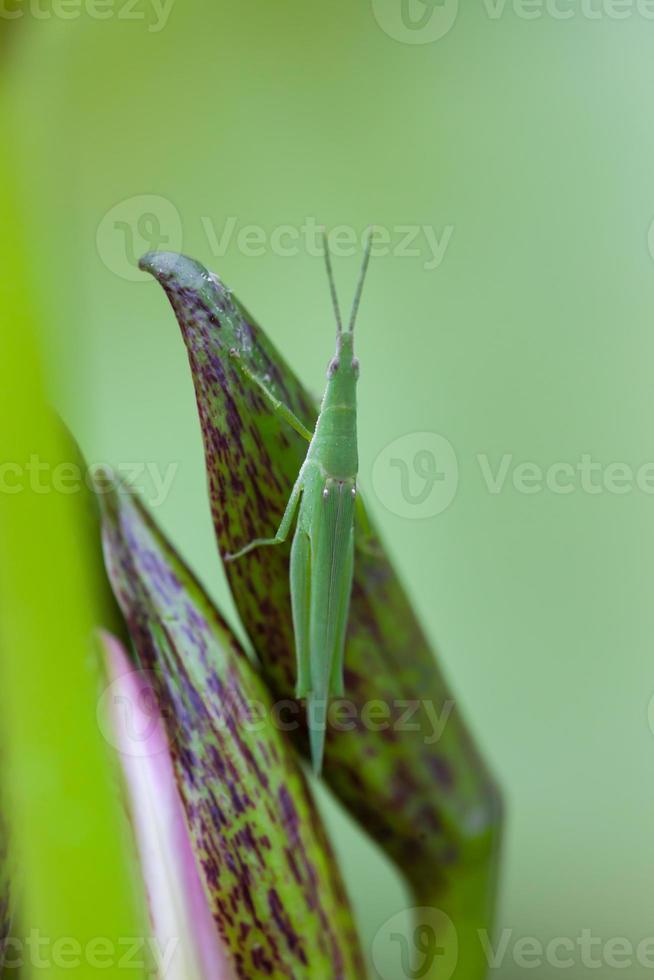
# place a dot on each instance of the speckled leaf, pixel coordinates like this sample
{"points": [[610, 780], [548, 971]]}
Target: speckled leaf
{"points": [[181, 917], [271, 879], [429, 801]]}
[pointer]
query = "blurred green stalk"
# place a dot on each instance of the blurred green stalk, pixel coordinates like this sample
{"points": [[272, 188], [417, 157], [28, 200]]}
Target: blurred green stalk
{"points": [[78, 900]]}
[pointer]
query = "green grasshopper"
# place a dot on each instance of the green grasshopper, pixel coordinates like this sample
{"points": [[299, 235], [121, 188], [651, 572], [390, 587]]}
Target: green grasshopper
{"points": [[322, 553]]}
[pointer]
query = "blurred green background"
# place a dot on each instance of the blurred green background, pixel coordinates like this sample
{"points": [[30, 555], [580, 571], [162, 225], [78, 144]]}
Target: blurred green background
{"points": [[524, 140]]}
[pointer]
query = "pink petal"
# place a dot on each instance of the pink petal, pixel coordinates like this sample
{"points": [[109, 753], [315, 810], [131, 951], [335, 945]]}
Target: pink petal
{"points": [[186, 934]]}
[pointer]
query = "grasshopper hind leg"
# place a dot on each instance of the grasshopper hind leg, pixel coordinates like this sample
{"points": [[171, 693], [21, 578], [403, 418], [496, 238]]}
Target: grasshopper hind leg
{"points": [[318, 699], [336, 688], [300, 576]]}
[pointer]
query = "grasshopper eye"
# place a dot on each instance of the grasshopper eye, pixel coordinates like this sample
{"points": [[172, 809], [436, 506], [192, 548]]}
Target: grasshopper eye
{"points": [[355, 366], [334, 365]]}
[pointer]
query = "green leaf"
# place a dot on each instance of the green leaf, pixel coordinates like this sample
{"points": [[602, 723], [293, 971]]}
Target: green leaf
{"points": [[268, 871], [430, 803]]}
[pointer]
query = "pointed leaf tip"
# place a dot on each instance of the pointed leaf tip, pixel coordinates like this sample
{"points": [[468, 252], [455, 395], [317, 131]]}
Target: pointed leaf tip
{"points": [[164, 265]]}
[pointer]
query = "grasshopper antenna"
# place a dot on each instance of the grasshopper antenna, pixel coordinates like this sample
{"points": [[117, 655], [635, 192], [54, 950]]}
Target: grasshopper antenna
{"points": [[362, 277], [332, 284]]}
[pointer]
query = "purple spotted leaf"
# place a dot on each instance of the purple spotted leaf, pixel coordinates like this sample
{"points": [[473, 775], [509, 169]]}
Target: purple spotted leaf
{"points": [[268, 873], [398, 754], [188, 943]]}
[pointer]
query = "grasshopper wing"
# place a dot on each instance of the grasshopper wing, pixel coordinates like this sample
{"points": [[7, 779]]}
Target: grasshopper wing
{"points": [[332, 554]]}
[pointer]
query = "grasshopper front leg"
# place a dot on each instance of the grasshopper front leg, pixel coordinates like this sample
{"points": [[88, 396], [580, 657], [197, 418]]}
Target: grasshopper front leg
{"points": [[284, 527], [278, 407]]}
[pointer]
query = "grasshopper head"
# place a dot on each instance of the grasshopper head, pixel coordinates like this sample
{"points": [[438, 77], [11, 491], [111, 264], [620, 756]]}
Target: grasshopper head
{"points": [[344, 363]]}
